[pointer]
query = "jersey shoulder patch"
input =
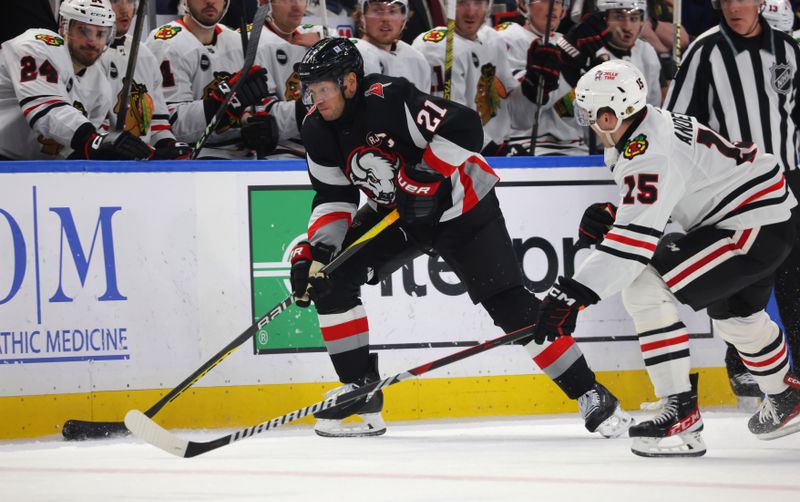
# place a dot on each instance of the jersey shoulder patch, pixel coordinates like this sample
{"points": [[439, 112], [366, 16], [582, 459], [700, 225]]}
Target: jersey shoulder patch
{"points": [[166, 32], [636, 146], [53, 40], [435, 35], [503, 26]]}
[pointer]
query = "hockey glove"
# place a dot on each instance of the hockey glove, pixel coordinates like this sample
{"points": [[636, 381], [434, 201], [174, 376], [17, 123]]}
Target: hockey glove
{"points": [[416, 194], [251, 92], [544, 64], [117, 145], [260, 132], [171, 149], [558, 311], [589, 36], [596, 222], [307, 279]]}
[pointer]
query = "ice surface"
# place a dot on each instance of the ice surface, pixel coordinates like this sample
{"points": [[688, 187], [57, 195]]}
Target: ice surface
{"points": [[522, 458]]}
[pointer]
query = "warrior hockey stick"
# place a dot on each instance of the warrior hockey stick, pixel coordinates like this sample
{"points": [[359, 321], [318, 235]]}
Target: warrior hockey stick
{"points": [[448, 48], [540, 88], [81, 429], [127, 82], [147, 430], [249, 59]]}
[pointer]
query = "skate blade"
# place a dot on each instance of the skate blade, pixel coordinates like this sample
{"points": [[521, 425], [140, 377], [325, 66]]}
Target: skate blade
{"points": [[372, 425], [690, 445], [790, 428], [616, 425]]}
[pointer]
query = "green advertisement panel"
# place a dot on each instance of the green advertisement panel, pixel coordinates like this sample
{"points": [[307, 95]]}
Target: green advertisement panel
{"points": [[278, 220]]}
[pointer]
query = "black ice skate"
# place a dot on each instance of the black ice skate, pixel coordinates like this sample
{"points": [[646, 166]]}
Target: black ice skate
{"points": [[675, 432], [601, 412], [330, 422], [742, 382], [779, 414]]}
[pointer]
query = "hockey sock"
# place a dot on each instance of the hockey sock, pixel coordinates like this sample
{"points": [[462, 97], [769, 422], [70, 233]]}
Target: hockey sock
{"points": [[563, 361], [346, 335]]}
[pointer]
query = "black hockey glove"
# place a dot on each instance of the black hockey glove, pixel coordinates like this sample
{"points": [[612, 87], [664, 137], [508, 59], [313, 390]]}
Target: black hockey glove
{"points": [[544, 62], [590, 35], [260, 132], [252, 91], [171, 149], [117, 145], [559, 309], [596, 222], [416, 194], [308, 282]]}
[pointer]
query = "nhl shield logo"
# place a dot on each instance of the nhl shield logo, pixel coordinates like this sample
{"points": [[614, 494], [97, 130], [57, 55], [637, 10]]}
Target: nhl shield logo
{"points": [[781, 78]]}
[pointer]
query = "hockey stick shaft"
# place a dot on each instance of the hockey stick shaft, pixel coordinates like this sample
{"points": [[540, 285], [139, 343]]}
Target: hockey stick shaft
{"points": [[79, 429], [540, 88], [323, 17], [448, 48], [149, 431], [249, 59], [677, 23], [127, 82]]}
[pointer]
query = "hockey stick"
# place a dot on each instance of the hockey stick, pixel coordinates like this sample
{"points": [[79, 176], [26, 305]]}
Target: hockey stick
{"points": [[249, 59], [676, 21], [83, 429], [323, 17], [127, 82], [243, 26], [149, 431], [540, 88], [448, 48]]}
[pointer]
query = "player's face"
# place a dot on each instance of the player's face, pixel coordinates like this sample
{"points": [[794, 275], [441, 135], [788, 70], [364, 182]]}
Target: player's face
{"points": [[537, 13], [384, 22], [207, 12], [624, 26], [470, 16], [124, 10], [328, 99], [741, 16], [288, 14], [87, 42]]}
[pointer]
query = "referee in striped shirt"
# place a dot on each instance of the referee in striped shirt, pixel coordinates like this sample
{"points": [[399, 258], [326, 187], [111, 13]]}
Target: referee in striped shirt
{"points": [[741, 78]]}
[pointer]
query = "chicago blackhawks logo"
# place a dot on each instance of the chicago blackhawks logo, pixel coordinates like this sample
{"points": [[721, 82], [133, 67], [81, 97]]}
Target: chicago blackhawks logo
{"points": [[50, 39], [140, 110], [636, 146], [489, 92], [503, 26], [435, 35], [167, 32], [294, 89], [49, 146], [373, 171]]}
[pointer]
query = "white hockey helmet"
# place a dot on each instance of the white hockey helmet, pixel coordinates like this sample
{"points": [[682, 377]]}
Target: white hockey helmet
{"points": [[401, 3], [715, 3], [184, 9], [779, 15], [522, 7], [626, 5], [617, 85], [94, 12]]}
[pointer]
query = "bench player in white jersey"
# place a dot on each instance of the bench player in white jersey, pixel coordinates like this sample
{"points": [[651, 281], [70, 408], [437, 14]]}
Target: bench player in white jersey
{"points": [[340, 17], [53, 97], [199, 60], [381, 24], [734, 203], [481, 75], [147, 116], [529, 58]]}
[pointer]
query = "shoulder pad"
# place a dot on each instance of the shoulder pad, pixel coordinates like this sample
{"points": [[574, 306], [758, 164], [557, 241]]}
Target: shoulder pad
{"points": [[435, 35], [53, 40], [635, 146], [166, 32], [503, 26]]}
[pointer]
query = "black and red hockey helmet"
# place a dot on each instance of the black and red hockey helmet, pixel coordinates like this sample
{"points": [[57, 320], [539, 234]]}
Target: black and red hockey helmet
{"points": [[330, 59]]}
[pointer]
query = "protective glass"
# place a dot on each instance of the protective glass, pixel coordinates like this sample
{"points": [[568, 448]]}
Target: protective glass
{"points": [[622, 15], [583, 117], [315, 93], [89, 32]]}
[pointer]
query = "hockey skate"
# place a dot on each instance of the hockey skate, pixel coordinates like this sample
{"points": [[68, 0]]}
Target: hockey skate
{"points": [[330, 423], [675, 432], [602, 412], [779, 414]]}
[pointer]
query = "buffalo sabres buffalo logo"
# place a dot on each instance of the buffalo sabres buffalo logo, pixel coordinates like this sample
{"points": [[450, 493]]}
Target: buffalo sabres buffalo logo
{"points": [[50, 39], [167, 32], [436, 35], [781, 78], [140, 110], [373, 171], [489, 92], [636, 146]]}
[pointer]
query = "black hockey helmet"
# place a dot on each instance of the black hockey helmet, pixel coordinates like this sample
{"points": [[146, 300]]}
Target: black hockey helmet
{"points": [[330, 59]]}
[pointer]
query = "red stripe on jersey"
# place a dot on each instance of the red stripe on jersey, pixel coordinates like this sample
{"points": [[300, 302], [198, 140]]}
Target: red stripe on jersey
{"points": [[470, 197], [758, 195], [631, 242], [692, 267], [766, 362], [160, 127], [437, 164], [349, 328], [665, 343], [326, 219], [551, 354], [26, 112]]}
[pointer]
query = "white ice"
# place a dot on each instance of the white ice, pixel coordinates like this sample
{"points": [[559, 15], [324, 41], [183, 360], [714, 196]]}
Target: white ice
{"points": [[522, 458]]}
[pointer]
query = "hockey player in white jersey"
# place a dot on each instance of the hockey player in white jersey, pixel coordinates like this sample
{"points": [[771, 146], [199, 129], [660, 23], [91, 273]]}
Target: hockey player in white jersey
{"points": [[779, 14], [530, 59], [53, 97], [481, 75], [147, 116], [733, 202], [200, 60], [381, 24]]}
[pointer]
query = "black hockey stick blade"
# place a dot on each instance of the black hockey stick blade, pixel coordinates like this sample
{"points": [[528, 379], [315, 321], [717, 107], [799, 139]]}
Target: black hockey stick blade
{"points": [[84, 429], [249, 59], [150, 432], [127, 82]]}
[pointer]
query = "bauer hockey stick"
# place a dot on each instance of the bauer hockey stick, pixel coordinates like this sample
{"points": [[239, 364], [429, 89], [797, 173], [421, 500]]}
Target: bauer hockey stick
{"points": [[127, 82], [540, 88], [249, 59], [83, 429], [448, 48], [149, 431]]}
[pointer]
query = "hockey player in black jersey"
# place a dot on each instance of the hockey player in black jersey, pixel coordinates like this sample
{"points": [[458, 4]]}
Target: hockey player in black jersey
{"points": [[404, 149]]}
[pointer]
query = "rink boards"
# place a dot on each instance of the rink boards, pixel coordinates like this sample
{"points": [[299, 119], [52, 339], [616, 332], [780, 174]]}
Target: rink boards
{"points": [[119, 280]]}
